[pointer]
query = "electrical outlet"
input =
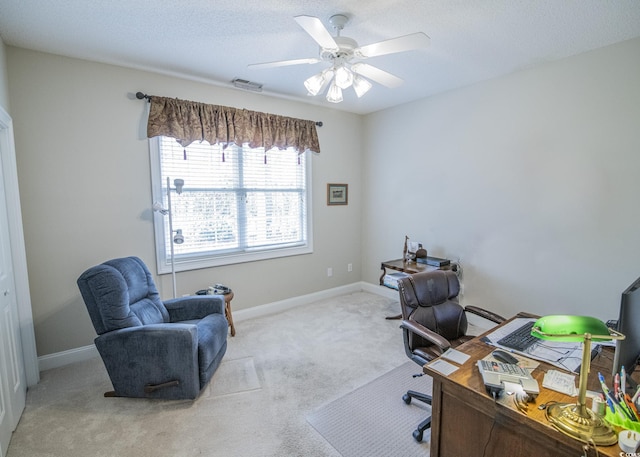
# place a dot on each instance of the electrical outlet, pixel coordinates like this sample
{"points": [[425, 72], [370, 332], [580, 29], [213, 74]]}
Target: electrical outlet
{"points": [[329, 272], [349, 267]]}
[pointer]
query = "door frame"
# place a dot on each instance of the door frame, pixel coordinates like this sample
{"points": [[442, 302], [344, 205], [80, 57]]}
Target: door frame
{"points": [[18, 252]]}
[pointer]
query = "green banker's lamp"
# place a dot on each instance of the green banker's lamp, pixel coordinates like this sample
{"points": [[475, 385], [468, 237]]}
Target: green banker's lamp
{"points": [[575, 419]]}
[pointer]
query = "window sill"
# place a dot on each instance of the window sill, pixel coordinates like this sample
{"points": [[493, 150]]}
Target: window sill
{"points": [[231, 259]]}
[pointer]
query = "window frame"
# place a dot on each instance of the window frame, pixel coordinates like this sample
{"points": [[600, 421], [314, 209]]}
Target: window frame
{"points": [[163, 256]]}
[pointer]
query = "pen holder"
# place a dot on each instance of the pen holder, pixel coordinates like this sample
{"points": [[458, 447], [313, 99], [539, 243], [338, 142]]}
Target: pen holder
{"points": [[620, 423]]}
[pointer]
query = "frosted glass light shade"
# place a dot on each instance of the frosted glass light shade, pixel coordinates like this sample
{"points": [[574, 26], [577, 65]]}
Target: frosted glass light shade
{"points": [[314, 84], [334, 95], [344, 77], [361, 85], [317, 83]]}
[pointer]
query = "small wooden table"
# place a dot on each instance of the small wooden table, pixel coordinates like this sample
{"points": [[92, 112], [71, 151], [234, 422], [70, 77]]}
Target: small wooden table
{"points": [[467, 422], [404, 266], [227, 311]]}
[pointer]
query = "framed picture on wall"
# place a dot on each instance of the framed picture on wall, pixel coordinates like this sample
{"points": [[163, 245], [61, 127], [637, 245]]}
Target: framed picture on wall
{"points": [[337, 194]]}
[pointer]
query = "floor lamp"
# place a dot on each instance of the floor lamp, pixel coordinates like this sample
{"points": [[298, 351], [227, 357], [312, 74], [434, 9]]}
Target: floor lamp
{"points": [[178, 238], [575, 419]]}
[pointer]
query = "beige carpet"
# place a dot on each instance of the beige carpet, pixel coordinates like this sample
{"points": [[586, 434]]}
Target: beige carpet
{"points": [[373, 421], [278, 369], [232, 377]]}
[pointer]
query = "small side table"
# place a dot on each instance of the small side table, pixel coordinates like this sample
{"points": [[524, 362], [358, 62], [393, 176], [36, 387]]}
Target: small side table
{"points": [[227, 311], [407, 267]]}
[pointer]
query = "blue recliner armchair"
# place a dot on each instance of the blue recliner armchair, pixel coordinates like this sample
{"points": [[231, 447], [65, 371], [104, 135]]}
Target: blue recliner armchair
{"points": [[151, 348]]}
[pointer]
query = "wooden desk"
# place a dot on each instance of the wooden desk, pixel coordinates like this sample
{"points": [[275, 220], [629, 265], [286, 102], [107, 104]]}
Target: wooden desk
{"points": [[406, 267], [466, 422]]}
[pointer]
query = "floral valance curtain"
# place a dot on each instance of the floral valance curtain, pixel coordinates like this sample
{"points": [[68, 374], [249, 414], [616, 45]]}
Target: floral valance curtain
{"points": [[188, 121]]}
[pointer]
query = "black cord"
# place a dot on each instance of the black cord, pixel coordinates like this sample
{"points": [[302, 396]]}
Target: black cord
{"points": [[552, 349], [493, 424], [484, 451], [561, 361]]}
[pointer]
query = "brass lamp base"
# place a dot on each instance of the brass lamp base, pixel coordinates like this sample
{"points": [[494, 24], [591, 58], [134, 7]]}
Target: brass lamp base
{"points": [[581, 423]]}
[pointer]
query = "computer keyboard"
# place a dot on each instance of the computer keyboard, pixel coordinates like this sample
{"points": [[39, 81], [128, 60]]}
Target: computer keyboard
{"points": [[520, 339]]}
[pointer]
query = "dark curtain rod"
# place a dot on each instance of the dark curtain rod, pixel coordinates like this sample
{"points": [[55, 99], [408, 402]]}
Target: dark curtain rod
{"points": [[141, 96]]}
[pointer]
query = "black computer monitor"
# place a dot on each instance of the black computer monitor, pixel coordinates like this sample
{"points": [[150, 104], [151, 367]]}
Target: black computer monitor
{"points": [[628, 350]]}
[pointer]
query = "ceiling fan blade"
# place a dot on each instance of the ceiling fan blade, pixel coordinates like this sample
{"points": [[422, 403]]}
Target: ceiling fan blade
{"points": [[313, 26], [284, 63], [377, 75], [400, 44]]}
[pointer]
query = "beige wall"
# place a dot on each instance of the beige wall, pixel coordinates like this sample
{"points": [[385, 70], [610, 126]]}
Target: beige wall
{"points": [[83, 165], [532, 180]]}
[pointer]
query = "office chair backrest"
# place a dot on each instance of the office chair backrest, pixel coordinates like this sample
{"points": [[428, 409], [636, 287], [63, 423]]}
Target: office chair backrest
{"points": [[121, 293], [430, 298]]}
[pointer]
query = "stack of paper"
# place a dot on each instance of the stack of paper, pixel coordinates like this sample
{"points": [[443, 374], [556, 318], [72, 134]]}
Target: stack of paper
{"points": [[391, 279]]}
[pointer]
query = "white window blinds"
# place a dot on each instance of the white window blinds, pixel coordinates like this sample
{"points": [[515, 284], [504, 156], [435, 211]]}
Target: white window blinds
{"points": [[238, 204]]}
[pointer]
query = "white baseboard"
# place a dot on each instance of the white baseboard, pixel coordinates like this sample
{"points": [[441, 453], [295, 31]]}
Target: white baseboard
{"points": [[380, 290], [59, 359], [283, 305]]}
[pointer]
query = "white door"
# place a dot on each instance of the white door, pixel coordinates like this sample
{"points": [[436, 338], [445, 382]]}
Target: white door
{"points": [[12, 375]]}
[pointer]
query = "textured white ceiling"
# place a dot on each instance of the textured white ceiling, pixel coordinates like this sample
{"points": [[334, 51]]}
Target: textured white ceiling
{"points": [[215, 40]]}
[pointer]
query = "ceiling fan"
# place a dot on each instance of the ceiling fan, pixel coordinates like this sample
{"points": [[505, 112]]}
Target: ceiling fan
{"points": [[345, 57]]}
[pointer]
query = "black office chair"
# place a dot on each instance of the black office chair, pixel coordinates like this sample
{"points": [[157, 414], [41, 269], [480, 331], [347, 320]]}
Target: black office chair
{"points": [[432, 322]]}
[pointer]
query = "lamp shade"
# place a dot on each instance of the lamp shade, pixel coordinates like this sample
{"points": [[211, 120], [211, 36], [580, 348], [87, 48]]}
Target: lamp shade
{"points": [[570, 329], [360, 85], [334, 95], [315, 83], [344, 77], [179, 183], [318, 82], [575, 419]]}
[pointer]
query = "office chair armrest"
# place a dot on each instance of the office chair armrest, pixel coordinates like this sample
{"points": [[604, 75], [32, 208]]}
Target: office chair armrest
{"points": [[420, 330], [493, 317]]}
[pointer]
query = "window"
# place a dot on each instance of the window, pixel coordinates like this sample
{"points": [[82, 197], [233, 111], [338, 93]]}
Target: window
{"points": [[238, 204]]}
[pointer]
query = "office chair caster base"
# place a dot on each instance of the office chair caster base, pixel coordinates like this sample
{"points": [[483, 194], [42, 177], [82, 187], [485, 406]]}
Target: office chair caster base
{"points": [[422, 426], [406, 398]]}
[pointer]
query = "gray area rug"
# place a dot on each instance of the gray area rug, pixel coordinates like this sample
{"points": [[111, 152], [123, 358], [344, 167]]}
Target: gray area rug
{"points": [[373, 421]]}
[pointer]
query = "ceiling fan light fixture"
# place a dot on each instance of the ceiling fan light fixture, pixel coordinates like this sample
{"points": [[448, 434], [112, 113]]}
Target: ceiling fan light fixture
{"points": [[340, 52], [315, 83], [334, 95], [344, 77], [361, 85]]}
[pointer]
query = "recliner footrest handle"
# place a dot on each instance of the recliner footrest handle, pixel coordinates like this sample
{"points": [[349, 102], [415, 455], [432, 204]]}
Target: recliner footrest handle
{"points": [[150, 388]]}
